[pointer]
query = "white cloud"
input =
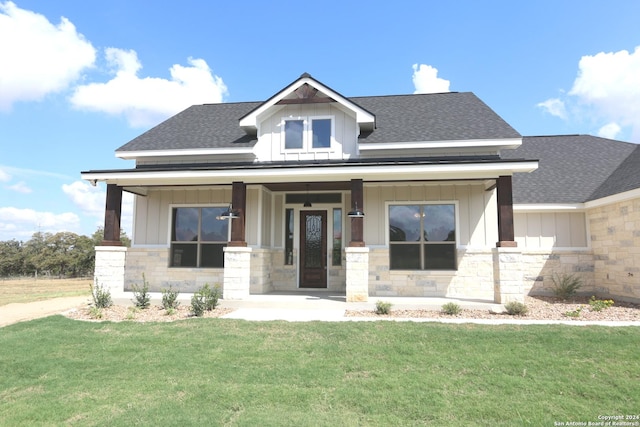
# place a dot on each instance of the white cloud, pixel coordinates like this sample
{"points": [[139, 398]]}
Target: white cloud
{"points": [[22, 223], [4, 176], [555, 107], [146, 101], [38, 57], [606, 91], [611, 131], [20, 187], [91, 201], [426, 80]]}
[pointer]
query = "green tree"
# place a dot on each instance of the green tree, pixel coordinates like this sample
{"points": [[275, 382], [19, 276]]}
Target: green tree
{"points": [[11, 258], [98, 236]]}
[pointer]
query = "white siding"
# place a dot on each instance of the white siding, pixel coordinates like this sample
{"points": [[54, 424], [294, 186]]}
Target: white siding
{"points": [[344, 145], [535, 230], [477, 210]]}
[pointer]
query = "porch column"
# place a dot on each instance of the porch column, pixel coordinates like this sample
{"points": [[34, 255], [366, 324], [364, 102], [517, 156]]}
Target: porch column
{"points": [[239, 203], [505, 213], [112, 216], [237, 256], [357, 256], [507, 266]]}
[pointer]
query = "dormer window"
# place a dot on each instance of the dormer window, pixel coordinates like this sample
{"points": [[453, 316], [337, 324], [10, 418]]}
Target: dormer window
{"points": [[308, 133]]}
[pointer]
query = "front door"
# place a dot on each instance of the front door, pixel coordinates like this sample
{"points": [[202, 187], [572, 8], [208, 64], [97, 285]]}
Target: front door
{"points": [[313, 249]]}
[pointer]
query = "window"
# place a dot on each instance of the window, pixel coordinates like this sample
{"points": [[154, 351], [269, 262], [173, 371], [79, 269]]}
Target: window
{"points": [[288, 237], [314, 133], [197, 237], [293, 134], [321, 131], [422, 237], [336, 256]]}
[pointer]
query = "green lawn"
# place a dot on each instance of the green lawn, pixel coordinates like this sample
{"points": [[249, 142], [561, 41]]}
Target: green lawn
{"points": [[56, 371]]}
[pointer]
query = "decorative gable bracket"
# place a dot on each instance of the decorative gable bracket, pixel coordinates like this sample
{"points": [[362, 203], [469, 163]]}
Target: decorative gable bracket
{"points": [[306, 90]]}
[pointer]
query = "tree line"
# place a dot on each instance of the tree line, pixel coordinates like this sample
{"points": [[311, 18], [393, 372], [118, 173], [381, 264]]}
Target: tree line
{"points": [[63, 254]]}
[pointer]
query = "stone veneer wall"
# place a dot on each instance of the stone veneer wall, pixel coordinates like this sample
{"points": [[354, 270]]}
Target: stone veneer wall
{"points": [[473, 279], [154, 263], [284, 277], [540, 266], [615, 240], [261, 264], [475, 275]]}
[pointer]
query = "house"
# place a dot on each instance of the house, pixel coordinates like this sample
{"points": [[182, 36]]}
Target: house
{"points": [[407, 195]]}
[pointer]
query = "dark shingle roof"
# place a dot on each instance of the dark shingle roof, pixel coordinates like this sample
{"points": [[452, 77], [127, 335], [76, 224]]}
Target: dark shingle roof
{"points": [[433, 117], [574, 168], [399, 118], [199, 126]]}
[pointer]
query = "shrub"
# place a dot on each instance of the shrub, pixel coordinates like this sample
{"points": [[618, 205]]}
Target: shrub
{"points": [[574, 313], [131, 313], [170, 299], [95, 312], [451, 308], [599, 305], [101, 296], [515, 308], [383, 307], [566, 285], [141, 297], [206, 298]]}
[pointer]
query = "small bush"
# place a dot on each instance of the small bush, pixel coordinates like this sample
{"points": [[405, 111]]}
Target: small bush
{"points": [[515, 308], [451, 308], [566, 285], [206, 299], [574, 313], [170, 298], [95, 312], [131, 313], [383, 307], [599, 305], [141, 297], [101, 296]]}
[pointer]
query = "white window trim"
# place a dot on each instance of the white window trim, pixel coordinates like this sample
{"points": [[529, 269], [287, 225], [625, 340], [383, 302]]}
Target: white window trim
{"points": [[307, 135]]}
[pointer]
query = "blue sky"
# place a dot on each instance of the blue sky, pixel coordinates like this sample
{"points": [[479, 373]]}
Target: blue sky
{"points": [[78, 79]]}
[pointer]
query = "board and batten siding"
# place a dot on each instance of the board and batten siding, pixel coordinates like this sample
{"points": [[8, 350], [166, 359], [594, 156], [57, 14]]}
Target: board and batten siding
{"points": [[540, 230], [270, 146], [477, 217], [152, 213]]}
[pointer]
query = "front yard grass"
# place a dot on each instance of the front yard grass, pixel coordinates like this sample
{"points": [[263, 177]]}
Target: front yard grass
{"points": [[28, 289], [56, 371]]}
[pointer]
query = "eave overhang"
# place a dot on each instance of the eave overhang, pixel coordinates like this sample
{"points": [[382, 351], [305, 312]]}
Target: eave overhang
{"points": [[504, 143], [396, 170], [129, 155]]}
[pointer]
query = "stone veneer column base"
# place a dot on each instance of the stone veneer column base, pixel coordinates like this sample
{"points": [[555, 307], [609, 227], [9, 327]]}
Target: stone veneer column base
{"points": [[357, 274], [109, 269], [507, 275], [237, 273]]}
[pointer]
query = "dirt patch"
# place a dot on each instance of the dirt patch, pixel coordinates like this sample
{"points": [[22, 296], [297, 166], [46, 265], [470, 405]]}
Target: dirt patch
{"points": [[539, 308]]}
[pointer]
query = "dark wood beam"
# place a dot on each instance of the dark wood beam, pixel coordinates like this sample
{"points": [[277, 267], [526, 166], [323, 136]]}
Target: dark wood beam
{"points": [[357, 224], [112, 212], [506, 234], [287, 101], [238, 203]]}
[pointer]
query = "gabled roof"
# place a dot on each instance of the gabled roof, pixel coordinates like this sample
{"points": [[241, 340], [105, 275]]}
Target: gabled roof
{"points": [[399, 118], [574, 169], [306, 89]]}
